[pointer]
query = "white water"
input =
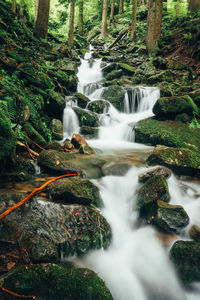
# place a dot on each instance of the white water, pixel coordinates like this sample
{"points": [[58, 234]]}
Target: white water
{"points": [[136, 265], [70, 120]]}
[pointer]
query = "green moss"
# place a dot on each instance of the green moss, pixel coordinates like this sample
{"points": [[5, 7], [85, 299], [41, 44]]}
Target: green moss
{"points": [[32, 133], [86, 118], [114, 74], [115, 95], [129, 70], [82, 100]]}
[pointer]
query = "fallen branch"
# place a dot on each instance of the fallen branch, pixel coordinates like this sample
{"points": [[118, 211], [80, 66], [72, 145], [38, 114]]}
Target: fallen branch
{"points": [[36, 190], [17, 295], [34, 143], [29, 150], [120, 37]]}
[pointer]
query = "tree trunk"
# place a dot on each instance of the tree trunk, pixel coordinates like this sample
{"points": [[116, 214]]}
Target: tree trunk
{"points": [[21, 10], [177, 7], [14, 6], [71, 23], [154, 22], [42, 20], [121, 6], [80, 17], [133, 22], [112, 11], [194, 5], [36, 10], [104, 18]]}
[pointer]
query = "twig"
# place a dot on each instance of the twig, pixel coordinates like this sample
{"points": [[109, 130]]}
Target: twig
{"points": [[22, 145], [35, 143], [17, 295]]}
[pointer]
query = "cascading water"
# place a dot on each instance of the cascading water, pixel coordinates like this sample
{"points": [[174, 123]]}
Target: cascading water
{"points": [[70, 120]]}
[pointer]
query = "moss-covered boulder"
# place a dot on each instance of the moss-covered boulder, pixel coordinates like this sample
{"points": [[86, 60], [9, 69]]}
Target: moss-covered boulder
{"points": [[89, 132], [166, 75], [74, 190], [157, 170], [44, 227], [170, 218], [51, 281], [169, 133], [58, 162], [55, 104], [127, 69], [186, 257], [115, 169], [109, 68], [114, 74], [115, 95], [155, 188], [7, 138], [86, 117], [99, 106], [194, 233], [32, 133], [82, 100], [169, 107], [182, 161], [57, 129]]}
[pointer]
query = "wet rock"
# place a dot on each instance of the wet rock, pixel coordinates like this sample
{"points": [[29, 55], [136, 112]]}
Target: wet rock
{"points": [[42, 227], [54, 146], [169, 107], [194, 232], [169, 133], [99, 106], [109, 68], [55, 105], [82, 100], [74, 190], [32, 133], [186, 257], [58, 162], [89, 132], [80, 143], [127, 69], [115, 95], [155, 188], [57, 129], [114, 74], [166, 75], [86, 117], [68, 146], [158, 170], [182, 161], [116, 169], [51, 281], [170, 218]]}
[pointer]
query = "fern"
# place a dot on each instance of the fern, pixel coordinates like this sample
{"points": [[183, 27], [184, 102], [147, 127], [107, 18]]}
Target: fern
{"points": [[194, 124]]}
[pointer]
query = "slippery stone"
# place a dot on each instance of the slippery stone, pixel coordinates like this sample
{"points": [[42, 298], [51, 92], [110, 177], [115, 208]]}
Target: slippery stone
{"points": [[157, 170], [99, 106], [86, 117]]}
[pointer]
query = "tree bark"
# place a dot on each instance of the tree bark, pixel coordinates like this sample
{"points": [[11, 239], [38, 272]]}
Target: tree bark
{"points": [[121, 6], [177, 8], [133, 22], [104, 18], [154, 22], [21, 10], [14, 6], [42, 20], [194, 5], [71, 24], [112, 11], [36, 10], [80, 17]]}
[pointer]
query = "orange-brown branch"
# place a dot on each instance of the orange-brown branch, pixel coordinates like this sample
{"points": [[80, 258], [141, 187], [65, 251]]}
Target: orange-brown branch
{"points": [[35, 143], [36, 190], [17, 295]]}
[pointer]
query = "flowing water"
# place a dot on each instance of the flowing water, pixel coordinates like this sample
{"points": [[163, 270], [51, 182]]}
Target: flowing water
{"points": [[136, 265]]}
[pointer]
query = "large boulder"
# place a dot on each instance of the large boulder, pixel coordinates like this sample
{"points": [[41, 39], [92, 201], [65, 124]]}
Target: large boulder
{"points": [[82, 100], [51, 281], [57, 129], [115, 95], [169, 107], [186, 258], [114, 74], [58, 162], [44, 228], [182, 161], [169, 133], [115, 168], [86, 117], [99, 106], [75, 190], [157, 170], [55, 105], [89, 132], [32, 133]]}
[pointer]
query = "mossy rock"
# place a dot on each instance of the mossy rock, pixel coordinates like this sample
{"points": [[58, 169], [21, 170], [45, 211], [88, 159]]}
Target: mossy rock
{"points": [[72, 83], [57, 129], [86, 117], [165, 75], [195, 95], [58, 162], [55, 104], [157, 170], [32, 133], [75, 190], [186, 257], [155, 188], [169, 133], [115, 95], [127, 69], [98, 106], [109, 68], [181, 161], [51, 281], [90, 132], [170, 218], [113, 75], [82, 100], [169, 107]]}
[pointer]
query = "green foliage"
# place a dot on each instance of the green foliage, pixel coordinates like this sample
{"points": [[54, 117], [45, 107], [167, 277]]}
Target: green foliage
{"points": [[194, 123]]}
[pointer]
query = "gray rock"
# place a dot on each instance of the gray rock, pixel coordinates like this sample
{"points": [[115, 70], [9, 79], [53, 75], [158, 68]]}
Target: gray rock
{"points": [[116, 169], [157, 170], [57, 129]]}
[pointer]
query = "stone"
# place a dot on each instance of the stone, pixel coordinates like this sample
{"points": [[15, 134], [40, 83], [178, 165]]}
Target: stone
{"points": [[57, 129], [127, 69], [186, 257], [55, 105], [181, 161], [170, 218], [109, 68], [169, 107], [33, 134], [89, 132], [58, 162], [115, 95], [54, 146], [114, 74], [82, 100], [115, 169], [99, 106], [74, 190], [194, 232], [43, 227], [68, 146], [155, 188], [77, 140], [157, 170], [53, 281], [86, 117]]}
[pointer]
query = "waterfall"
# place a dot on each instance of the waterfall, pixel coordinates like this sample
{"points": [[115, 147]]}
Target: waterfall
{"points": [[70, 119]]}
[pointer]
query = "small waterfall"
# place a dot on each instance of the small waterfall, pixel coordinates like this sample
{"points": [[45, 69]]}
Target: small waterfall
{"points": [[70, 119], [138, 99]]}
